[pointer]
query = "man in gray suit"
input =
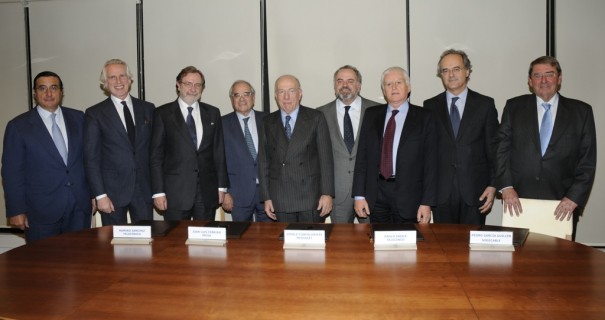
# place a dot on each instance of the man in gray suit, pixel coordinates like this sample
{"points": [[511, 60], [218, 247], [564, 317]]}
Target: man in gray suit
{"points": [[296, 168], [344, 115], [117, 133]]}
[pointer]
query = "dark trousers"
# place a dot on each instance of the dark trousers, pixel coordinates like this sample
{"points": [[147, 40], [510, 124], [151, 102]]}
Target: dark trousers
{"points": [[73, 219], [140, 208], [385, 210], [310, 216], [455, 209], [197, 212], [255, 211]]}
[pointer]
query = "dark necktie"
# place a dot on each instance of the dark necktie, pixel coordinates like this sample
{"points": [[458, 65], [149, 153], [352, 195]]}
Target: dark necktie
{"points": [[58, 139], [288, 128], [129, 123], [386, 155], [545, 128], [191, 126], [348, 130], [248, 137], [455, 116]]}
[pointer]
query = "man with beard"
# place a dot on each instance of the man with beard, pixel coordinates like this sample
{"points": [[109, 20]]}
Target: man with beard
{"points": [[344, 115]]}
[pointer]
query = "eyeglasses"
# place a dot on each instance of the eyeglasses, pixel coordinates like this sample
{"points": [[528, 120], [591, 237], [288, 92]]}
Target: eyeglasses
{"points": [[548, 75], [454, 70], [190, 85], [289, 91], [44, 89], [114, 78], [243, 94]]}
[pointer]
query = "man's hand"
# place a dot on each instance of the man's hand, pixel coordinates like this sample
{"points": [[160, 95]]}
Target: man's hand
{"points": [[19, 221], [488, 195], [565, 209], [269, 209], [361, 208], [511, 201], [160, 203], [227, 202], [325, 205], [424, 214], [105, 205]]}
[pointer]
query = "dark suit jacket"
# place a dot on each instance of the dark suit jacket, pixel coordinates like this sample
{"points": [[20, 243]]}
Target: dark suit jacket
{"points": [[471, 156], [294, 174], [36, 180], [241, 167], [113, 166], [416, 164], [344, 163], [175, 163], [568, 166]]}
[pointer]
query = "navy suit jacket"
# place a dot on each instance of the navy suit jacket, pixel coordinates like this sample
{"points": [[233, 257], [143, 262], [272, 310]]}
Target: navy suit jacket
{"points": [[471, 156], [241, 167], [567, 169], [416, 162], [36, 180], [113, 166], [176, 165]]}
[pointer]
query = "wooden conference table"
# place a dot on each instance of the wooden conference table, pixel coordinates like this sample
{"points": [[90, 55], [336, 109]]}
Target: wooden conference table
{"points": [[82, 276]]}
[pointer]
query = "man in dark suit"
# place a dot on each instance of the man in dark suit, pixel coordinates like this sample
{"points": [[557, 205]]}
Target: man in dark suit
{"points": [[396, 170], [241, 129], [548, 145], [296, 168], [188, 169], [116, 149], [43, 167], [467, 126], [344, 117]]}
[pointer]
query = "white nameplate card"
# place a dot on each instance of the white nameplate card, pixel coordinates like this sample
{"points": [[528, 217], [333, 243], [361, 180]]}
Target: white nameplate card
{"points": [[207, 236], [304, 239], [492, 240], [395, 240], [131, 235]]}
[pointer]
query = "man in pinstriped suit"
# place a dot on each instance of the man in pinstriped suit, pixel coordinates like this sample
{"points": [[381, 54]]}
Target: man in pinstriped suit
{"points": [[296, 170]]}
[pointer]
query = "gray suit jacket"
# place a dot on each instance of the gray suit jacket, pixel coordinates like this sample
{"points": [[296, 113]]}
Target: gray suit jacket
{"points": [[344, 163], [294, 174]]}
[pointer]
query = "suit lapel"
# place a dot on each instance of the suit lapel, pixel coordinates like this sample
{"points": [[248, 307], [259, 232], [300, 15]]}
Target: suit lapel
{"points": [[140, 120], [178, 122], [531, 114], [110, 112], [561, 122], [444, 115], [411, 121], [471, 112], [43, 136], [332, 119]]}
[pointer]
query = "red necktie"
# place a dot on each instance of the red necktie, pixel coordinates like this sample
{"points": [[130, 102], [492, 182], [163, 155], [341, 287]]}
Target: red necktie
{"points": [[386, 155]]}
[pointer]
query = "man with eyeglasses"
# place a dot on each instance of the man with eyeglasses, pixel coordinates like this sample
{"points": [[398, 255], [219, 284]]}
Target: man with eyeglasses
{"points": [[467, 127], [188, 168], [45, 185], [241, 129], [548, 146], [344, 116], [296, 169], [116, 149]]}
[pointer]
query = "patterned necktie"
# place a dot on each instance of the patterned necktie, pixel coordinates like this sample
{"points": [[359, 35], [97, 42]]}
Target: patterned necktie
{"points": [[348, 130], [545, 128], [248, 137], [191, 126], [386, 155], [129, 123], [455, 116], [288, 128], [58, 139]]}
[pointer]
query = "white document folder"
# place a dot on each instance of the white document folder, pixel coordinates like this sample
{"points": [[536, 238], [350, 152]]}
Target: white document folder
{"points": [[538, 216]]}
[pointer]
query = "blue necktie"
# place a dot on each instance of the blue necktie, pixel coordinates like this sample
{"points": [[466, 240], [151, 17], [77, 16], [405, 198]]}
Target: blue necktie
{"points": [[191, 126], [288, 128], [545, 128], [58, 139], [248, 137], [455, 116], [348, 130]]}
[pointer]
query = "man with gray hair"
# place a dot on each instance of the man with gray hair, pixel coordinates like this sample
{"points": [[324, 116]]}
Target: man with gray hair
{"points": [[344, 115], [116, 149], [467, 126]]}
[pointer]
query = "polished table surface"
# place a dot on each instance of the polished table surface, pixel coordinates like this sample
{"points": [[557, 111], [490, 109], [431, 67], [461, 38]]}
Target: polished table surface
{"points": [[82, 276]]}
